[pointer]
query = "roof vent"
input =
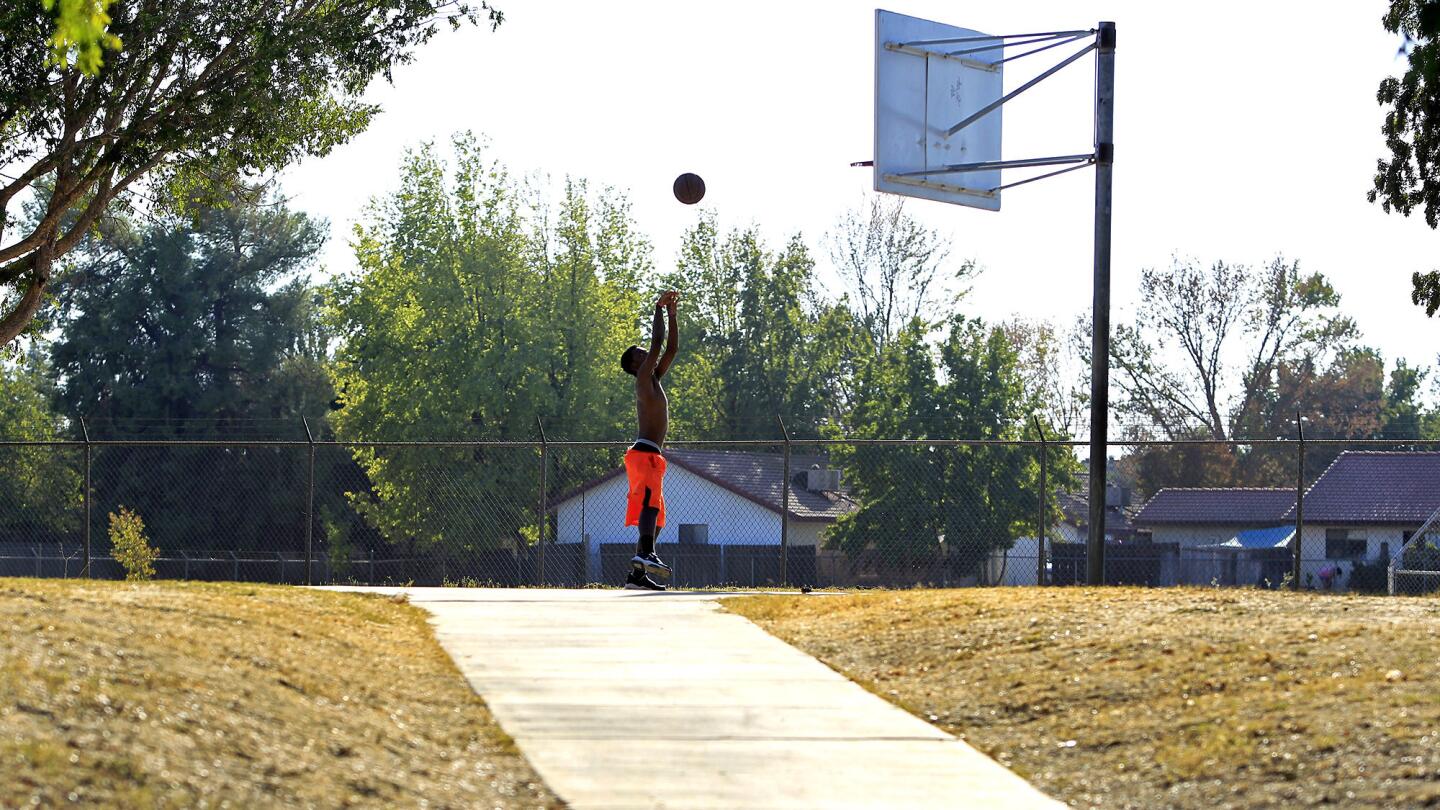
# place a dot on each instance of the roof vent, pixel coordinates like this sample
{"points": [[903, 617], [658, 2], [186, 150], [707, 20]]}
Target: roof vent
{"points": [[818, 480]]}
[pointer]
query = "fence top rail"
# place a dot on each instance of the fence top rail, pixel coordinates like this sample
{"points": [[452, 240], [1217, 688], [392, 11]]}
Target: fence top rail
{"points": [[681, 443]]}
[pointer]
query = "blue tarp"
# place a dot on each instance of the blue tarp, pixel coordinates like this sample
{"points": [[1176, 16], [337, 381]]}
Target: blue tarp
{"points": [[1277, 537]]}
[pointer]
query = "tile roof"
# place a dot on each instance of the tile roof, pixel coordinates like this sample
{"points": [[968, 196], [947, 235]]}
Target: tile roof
{"points": [[758, 477], [1075, 507], [1229, 506], [1375, 487]]}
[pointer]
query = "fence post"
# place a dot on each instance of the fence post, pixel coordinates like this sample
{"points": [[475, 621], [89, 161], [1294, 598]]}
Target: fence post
{"points": [[309, 505], [1041, 519], [544, 457], [785, 510], [85, 432], [1299, 506]]}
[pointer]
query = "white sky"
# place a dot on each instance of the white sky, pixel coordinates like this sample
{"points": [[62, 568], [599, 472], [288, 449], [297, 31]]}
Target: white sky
{"points": [[1247, 130]]}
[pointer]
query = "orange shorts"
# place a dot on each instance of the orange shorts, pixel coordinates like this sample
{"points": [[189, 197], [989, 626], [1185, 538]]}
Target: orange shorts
{"points": [[645, 471]]}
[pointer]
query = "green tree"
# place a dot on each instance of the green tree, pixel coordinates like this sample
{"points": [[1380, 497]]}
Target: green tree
{"points": [[475, 311], [757, 342], [1404, 178], [195, 327], [989, 496], [928, 503], [1344, 395], [40, 488], [1405, 415], [203, 89], [81, 33]]}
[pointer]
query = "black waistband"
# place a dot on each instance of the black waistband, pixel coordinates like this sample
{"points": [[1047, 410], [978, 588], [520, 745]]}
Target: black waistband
{"points": [[645, 446]]}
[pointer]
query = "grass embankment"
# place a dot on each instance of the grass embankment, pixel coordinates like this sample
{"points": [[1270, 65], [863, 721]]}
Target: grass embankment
{"points": [[1155, 698], [185, 695]]}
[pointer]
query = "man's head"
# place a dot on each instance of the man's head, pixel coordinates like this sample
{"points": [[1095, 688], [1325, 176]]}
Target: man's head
{"points": [[631, 359]]}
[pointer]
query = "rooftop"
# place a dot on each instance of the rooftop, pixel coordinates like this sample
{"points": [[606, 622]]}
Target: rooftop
{"points": [[1375, 487], [1222, 506]]}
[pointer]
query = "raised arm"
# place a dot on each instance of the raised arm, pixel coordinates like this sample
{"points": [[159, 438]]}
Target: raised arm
{"points": [[657, 336], [672, 341]]}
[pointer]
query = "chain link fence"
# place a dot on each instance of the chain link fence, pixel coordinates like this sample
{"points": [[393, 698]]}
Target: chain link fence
{"points": [[819, 513]]}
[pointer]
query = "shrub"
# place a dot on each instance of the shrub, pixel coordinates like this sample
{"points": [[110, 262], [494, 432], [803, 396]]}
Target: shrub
{"points": [[1370, 577], [130, 547]]}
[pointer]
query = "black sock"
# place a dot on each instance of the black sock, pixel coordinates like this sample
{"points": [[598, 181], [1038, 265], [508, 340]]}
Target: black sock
{"points": [[648, 517]]}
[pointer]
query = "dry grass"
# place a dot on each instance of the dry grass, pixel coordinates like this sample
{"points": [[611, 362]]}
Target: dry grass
{"points": [[190, 695], [1155, 698]]}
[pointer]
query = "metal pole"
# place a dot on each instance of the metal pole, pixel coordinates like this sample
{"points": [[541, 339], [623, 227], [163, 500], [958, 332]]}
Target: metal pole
{"points": [[1042, 519], [785, 509], [1100, 311], [85, 431], [309, 506], [540, 574], [1299, 506]]}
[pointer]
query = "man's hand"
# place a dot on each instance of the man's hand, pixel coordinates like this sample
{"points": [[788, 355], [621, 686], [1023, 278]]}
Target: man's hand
{"points": [[668, 299]]}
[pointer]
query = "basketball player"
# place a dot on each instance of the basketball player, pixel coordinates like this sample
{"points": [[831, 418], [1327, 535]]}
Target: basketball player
{"points": [[644, 464]]}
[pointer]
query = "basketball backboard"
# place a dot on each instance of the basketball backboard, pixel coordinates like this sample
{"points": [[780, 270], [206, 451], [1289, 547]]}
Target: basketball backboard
{"points": [[928, 77]]}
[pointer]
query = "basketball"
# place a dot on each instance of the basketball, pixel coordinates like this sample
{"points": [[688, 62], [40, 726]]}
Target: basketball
{"points": [[689, 188]]}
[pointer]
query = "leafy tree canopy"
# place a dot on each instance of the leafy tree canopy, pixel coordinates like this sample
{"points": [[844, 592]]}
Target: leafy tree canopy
{"points": [[81, 34], [196, 327], [1406, 179], [202, 90], [479, 308], [40, 488]]}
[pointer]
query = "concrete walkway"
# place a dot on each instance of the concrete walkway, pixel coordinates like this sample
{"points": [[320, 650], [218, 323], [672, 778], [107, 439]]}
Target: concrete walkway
{"points": [[626, 699]]}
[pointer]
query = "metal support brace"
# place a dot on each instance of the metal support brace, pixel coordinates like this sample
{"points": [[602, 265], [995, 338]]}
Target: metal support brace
{"points": [[1042, 517], [540, 537], [785, 509], [85, 432], [994, 105], [1299, 545], [990, 165], [309, 506]]}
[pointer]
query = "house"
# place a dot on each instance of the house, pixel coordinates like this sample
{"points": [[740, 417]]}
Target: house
{"points": [[1223, 535], [1209, 517], [1017, 564], [1364, 507], [713, 498], [1074, 526]]}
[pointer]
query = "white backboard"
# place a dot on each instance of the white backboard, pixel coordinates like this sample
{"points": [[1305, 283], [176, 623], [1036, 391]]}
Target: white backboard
{"points": [[921, 91]]}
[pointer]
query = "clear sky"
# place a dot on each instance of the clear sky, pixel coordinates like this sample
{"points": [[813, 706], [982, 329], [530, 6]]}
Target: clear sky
{"points": [[1242, 130]]}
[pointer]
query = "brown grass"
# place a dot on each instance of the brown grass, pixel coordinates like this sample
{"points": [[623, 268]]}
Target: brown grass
{"points": [[1155, 698], [191, 695]]}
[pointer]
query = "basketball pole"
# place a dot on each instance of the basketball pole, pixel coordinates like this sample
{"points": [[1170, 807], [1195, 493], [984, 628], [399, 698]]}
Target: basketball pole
{"points": [[1100, 312]]}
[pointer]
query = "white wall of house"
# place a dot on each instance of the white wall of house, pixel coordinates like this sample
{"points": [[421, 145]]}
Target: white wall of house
{"points": [[1313, 552], [1065, 533], [1191, 536], [1018, 565], [733, 520]]}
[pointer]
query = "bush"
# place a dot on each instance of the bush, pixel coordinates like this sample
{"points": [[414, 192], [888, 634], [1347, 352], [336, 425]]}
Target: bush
{"points": [[1370, 577], [130, 547]]}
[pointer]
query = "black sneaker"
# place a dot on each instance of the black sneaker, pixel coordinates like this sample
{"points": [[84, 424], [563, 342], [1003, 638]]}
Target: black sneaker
{"points": [[637, 581], [650, 564]]}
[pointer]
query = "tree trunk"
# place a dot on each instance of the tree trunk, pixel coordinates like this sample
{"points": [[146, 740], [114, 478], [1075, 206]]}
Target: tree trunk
{"points": [[20, 317]]}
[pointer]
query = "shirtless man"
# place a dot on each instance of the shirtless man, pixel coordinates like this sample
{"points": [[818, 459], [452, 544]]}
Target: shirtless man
{"points": [[644, 466]]}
